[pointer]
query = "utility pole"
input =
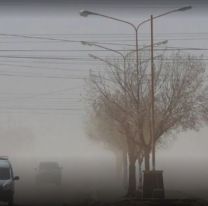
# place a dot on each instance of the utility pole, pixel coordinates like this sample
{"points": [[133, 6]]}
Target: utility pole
{"points": [[152, 96]]}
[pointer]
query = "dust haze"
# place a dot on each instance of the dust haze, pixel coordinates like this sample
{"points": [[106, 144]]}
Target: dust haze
{"points": [[43, 105]]}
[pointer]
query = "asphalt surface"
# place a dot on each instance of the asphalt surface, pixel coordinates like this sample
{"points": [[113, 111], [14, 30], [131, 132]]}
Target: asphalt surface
{"points": [[166, 202]]}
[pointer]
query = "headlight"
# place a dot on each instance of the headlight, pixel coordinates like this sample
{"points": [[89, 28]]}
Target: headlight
{"points": [[8, 186]]}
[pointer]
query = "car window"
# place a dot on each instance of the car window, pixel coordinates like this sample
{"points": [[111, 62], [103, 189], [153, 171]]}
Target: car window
{"points": [[4, 173], [48, 166]]}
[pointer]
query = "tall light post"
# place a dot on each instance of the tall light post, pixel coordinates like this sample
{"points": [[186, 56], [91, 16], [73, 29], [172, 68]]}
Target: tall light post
{"points": [[86, 13], [152, 81], [152, 95]]}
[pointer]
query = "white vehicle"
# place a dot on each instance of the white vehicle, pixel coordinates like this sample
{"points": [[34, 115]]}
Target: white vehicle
{"points": [[6, 181]]}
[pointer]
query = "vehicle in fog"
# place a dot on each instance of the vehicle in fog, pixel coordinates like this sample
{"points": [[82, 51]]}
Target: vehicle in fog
{"points": [[49, 173], [6, 181]]}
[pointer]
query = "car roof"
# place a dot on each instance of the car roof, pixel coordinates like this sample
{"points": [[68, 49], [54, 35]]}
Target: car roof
{"points": [[48, 165]]}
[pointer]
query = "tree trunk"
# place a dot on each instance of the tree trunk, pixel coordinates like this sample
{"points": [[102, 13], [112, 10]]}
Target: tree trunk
{"points": [[132, 176], [147, 159], [132, 169], [125, 170], [140, 173], [119, 166], [140, 183]]}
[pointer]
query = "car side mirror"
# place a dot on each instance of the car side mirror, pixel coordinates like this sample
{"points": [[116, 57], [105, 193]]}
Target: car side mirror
{"points": [[16, 178]]}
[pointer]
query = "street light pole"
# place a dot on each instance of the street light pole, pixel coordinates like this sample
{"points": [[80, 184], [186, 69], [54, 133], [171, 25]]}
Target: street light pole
{"points": [[153, 81], [152, 96]]}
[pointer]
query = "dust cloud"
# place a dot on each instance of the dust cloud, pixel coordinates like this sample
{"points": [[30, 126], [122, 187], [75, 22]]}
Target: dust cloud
{"points": [[89, 174]]}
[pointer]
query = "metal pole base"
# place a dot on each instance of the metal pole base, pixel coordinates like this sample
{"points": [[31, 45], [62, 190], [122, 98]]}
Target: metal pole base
{"points": [[153, 187]]}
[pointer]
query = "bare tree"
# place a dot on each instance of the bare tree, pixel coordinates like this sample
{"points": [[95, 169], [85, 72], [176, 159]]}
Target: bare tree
{"points": [[181, 99], [116, 92], [181, 94]]}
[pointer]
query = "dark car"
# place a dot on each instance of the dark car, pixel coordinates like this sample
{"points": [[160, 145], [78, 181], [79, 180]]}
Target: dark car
{"points": [[6, 181], [49, 173]]}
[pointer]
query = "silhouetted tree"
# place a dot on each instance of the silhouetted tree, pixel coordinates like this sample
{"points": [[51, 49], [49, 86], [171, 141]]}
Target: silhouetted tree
{"points": [[181, 98]]}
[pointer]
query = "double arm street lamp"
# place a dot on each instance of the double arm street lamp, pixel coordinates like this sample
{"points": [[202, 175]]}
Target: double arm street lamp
{"points": [[86, 13], [118, 52]]}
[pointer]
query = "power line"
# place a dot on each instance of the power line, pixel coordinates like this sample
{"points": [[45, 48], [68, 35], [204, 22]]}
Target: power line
{"points": [[92, 50], [50, 92], [47, 35], [89, 50], [107, 35], [51, 39], [39, 112], [43, 67], [36, 108]]}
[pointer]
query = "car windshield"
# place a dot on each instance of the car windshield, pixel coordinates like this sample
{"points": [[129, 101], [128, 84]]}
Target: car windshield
{"points": [[4, 173], [49, 166]]}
